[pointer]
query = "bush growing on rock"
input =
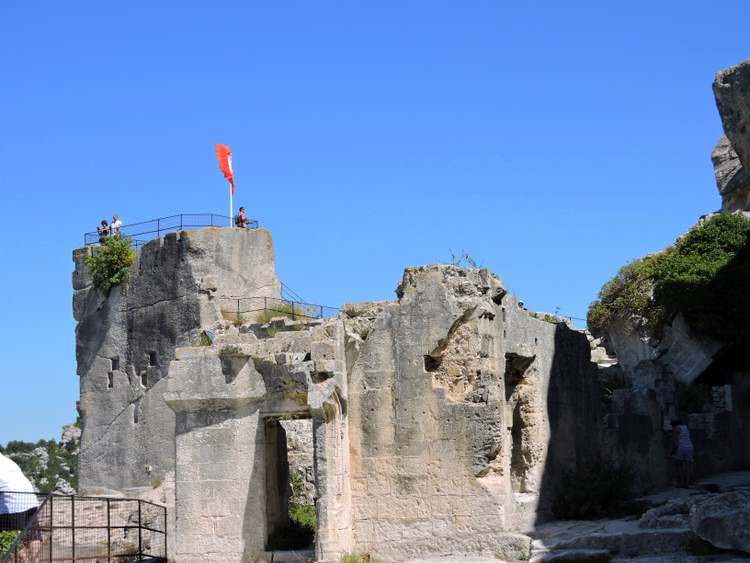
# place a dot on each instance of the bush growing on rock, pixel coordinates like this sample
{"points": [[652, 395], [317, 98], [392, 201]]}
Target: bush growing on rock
{"points": [[110, 263], [704, 276], [6, 540], [628, 294]]}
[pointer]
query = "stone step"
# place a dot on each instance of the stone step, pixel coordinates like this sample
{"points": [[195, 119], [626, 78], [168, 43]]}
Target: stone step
{"points": [[571, 556], [302, 556], [635, 543], [684, 558]]}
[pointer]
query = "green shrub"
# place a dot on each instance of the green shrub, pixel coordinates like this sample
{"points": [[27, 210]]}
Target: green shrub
{"points": [[6, 540], [280, 310], [62, 463], [704, 276], [627, 295], [304, 515], [358, 558], [594, 490], [707, 277], [300, 532], [110, 263]]}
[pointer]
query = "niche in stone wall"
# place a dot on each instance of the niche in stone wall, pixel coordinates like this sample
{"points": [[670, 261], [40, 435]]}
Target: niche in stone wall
{"points": [[516, 370]]}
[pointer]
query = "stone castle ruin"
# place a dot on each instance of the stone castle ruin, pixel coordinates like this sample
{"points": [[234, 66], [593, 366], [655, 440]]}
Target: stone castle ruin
{"points": [[441, 422]]}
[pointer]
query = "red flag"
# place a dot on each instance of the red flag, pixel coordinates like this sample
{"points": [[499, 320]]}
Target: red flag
{"points": [[224, 154]]}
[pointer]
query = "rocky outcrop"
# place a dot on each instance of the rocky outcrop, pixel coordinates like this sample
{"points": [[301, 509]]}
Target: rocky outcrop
{"points": [[439, 423], [179, 285], [678, 351], [731, 157], [731, 177], [723, 520]]}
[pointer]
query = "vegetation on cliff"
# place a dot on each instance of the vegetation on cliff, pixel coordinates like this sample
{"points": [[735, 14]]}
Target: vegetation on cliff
{"points": [[110, 263], [704, 276], [51, 466]]}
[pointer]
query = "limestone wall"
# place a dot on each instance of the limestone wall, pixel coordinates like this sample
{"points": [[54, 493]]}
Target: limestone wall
{"points": [[448, 397], [440, 421], [126, 340], [231, 460]]}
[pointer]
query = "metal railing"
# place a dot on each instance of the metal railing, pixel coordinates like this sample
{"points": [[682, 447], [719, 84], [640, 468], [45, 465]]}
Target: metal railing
{"points": [[74, 528], [141, 233], [249, 309]]}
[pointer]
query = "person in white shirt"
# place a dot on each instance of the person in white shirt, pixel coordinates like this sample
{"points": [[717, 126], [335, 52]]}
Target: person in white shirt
{"points": [[116, 225], [18, 506]]}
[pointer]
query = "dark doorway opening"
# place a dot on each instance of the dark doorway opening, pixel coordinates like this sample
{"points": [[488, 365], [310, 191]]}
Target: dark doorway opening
{"points": [[290, 490]]}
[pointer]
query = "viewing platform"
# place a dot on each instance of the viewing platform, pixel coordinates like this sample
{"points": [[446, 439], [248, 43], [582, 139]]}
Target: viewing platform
{"points": [[144, 231]]}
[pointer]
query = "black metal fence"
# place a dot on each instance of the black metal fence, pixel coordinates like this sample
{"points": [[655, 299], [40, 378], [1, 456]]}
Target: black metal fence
{"points": [[141, 233], [262, 309], [73, 528]]}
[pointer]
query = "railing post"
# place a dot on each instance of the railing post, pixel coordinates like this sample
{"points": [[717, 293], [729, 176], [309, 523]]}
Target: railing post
{"points": [[166, 536], [109, 533], [265, 305], [321, 311], [180, 221], [140, 533], [293, 317], [158, 228], [51, 523], [238, 309], [73, 526]]}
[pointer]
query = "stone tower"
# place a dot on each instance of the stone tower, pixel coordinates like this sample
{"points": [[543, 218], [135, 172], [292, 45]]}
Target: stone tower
{"points": [[126, 340]]}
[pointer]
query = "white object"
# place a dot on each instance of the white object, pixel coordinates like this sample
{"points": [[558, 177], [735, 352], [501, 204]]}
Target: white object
{"points": [[13, 481]]}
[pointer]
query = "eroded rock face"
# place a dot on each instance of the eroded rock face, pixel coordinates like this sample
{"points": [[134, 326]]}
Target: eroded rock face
{"points": [[731, 178], [125, 341], [723, 520], [731, 157], [456, 395]]}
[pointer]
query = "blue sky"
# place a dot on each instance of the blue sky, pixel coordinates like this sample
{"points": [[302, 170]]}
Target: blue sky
{"points": [[552, 141]]}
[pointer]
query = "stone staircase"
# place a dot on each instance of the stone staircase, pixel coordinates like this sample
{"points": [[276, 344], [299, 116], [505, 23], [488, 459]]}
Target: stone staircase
{"points": [[662, 534]]}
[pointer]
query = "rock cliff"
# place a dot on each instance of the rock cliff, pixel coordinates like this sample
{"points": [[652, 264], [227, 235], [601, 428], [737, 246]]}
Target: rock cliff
{"points": [[681, 357], [127, 338], [731, 157]]}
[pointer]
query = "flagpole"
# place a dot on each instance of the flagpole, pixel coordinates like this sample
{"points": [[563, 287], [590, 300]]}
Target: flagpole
{"points": [[231, 206]]}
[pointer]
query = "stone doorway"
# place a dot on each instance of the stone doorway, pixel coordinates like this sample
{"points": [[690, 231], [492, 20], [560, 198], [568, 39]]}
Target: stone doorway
{"points": [[291, 518]]}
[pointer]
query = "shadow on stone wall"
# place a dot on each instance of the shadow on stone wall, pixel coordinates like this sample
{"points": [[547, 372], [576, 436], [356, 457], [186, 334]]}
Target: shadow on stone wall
{"points": [[574, 412]]}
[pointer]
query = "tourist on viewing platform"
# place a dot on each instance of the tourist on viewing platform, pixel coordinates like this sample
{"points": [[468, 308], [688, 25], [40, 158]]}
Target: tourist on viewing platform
{"points": [[116, 226], [103, 231], [241, 219], [18, 503], [682, 453]]}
